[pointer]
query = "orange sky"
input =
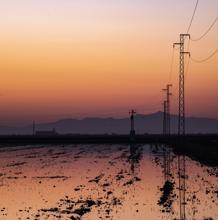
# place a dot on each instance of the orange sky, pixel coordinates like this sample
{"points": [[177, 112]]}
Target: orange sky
{"points": [[77, 59]]}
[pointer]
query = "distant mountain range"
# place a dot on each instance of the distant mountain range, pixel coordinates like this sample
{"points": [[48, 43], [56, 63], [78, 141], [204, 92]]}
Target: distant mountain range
{"points": [[150, 123]]}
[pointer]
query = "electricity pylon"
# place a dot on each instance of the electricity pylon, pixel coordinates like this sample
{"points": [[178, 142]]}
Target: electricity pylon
{"points": [[164, 134], [181, 126], [165, 118], [168, 94], [167, 156]]}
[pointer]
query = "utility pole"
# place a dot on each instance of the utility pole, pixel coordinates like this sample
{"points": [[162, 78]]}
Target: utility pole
{"points": [[181, 126], [168, 94], [165, 118], [167, 156], [164, 134], [132, 129]]}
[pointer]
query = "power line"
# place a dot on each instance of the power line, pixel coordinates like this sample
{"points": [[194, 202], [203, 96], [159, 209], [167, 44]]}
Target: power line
{"points": [[205, 59], [207, 31], [187, 68], [193, 15], [188, 62], [171, 65]]}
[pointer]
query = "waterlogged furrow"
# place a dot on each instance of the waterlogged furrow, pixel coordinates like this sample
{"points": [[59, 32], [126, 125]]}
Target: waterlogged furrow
{"points": [[91, 182]]}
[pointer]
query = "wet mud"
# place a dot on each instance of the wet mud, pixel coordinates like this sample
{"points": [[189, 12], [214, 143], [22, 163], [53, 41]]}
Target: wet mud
{"points": [[92, 182]]}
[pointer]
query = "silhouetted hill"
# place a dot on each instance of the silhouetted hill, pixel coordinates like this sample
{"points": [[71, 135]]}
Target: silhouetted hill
{"points": [[151, 123]]}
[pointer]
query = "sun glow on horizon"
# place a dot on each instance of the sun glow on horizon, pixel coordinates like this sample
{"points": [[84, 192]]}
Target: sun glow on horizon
{"points": [[74, 58]]}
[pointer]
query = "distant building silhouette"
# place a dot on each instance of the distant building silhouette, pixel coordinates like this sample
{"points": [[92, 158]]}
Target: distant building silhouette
{"points": [[46, 132]]}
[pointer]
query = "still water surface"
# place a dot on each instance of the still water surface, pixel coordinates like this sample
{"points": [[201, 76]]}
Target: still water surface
{"points": [[92, 182]]}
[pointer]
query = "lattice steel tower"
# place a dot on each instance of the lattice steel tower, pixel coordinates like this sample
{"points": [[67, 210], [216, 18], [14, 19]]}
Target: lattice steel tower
{"points": [[181, 126], [164, 117], [181, 122], [166, 131], [168, 94]]}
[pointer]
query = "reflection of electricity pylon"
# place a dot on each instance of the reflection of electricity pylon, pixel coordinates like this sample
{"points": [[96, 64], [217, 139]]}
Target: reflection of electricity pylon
{"points": [[135, 157], [181, 126], [166, 131], [182, 186]]}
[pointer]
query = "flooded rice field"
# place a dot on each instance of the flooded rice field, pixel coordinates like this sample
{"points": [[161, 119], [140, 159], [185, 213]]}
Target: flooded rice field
{"points": [[92, 182]]}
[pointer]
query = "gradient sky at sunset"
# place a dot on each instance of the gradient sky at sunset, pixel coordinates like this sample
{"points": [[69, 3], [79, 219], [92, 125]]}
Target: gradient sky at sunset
{"points": [[78, 58]]}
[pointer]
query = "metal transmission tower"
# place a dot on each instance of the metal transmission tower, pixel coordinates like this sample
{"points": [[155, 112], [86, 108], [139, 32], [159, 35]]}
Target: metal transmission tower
{"points": [[168, 94], [132, 130], [181, 126], [166, 131], [165, 157], [164, 117]]}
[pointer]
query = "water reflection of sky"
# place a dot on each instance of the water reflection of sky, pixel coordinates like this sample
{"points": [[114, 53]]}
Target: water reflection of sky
{"points": [[107, 181]]}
